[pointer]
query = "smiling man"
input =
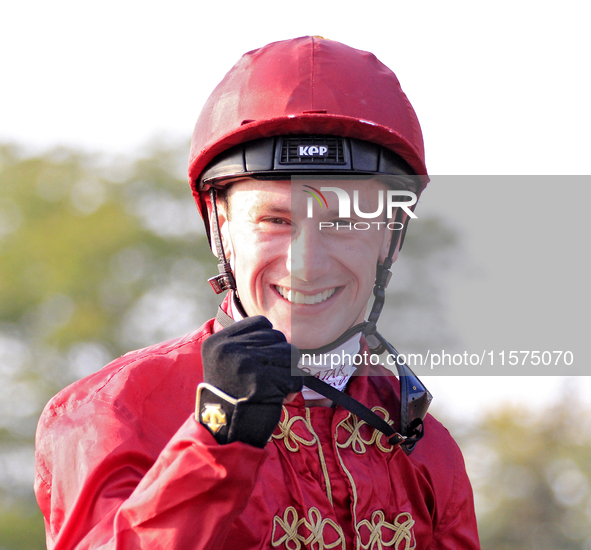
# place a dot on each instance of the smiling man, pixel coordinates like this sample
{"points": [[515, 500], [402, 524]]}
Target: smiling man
{"points": [[306, 163], [307, 274]]}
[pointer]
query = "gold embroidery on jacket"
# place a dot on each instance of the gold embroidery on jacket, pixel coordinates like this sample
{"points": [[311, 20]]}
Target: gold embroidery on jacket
{"points": [[400, 533], [293, 536], [292, 442], [291, 439], [348, 474], [352, 424]]}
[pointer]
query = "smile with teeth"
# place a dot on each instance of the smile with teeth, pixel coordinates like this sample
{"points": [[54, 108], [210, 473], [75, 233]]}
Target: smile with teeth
{"points": [[309, 299]]}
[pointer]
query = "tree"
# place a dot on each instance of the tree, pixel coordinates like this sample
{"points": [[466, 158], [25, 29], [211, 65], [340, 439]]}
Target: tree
{"points": [[531, 475], [95, 259]]}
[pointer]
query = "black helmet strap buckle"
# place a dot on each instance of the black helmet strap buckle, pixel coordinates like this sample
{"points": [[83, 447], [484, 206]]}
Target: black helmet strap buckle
{"points": [[225, 280]]}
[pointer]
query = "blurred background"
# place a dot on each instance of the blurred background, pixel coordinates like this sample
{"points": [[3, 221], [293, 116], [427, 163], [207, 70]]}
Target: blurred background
{"points": [[102, 251]]}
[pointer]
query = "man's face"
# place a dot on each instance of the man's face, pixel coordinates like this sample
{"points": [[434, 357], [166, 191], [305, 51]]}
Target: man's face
{"points": [[312, 283]]}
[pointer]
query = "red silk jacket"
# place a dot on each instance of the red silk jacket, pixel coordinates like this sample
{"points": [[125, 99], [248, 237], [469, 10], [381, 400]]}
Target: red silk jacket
{"points": [[121, 463]]}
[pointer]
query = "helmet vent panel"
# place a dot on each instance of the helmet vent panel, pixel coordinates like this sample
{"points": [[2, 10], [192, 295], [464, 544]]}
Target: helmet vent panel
{"points": [[312, 150]]}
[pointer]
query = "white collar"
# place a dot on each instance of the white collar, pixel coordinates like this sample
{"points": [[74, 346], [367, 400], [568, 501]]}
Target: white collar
{"points": [[335, 367]]}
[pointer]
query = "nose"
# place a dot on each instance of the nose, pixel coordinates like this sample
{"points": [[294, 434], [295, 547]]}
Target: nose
{"points": [[306, 259]]}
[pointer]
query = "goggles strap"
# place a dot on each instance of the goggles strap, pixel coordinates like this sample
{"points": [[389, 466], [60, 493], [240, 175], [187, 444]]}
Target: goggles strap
{"points": [[355, 407], [225, 280]]}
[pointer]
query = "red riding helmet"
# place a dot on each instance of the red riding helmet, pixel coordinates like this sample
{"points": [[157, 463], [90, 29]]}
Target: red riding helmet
{"points": [[310, 86]]}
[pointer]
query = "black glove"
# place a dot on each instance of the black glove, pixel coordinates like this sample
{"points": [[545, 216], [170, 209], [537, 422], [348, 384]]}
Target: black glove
{"points": [[247, 373]]}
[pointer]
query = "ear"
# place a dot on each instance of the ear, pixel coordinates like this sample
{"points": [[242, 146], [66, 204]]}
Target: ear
{"points": [[223, 223]]}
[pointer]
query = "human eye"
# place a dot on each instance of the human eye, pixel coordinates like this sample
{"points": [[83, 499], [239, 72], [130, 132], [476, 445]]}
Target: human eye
{"points": [[275, 221], [342, 221]]}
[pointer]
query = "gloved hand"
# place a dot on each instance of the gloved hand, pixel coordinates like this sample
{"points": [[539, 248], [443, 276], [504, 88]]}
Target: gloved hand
{"points": [[247, 370]]}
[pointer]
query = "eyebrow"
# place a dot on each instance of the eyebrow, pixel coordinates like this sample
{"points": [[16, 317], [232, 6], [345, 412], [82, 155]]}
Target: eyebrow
{"points": [[270, 207]]}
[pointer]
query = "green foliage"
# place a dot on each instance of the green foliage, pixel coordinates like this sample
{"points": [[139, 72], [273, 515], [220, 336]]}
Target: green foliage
{"points": [[22, 529], [532, 477], [67, 229], [97, 257]]}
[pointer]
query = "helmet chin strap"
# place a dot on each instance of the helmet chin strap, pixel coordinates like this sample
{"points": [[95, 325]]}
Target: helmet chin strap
{"points": [[383, 276], [225, 280]]}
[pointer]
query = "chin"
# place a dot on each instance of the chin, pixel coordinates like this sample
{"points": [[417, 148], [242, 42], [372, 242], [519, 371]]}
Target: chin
{"points": [[313, 335], [309, 332]]}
